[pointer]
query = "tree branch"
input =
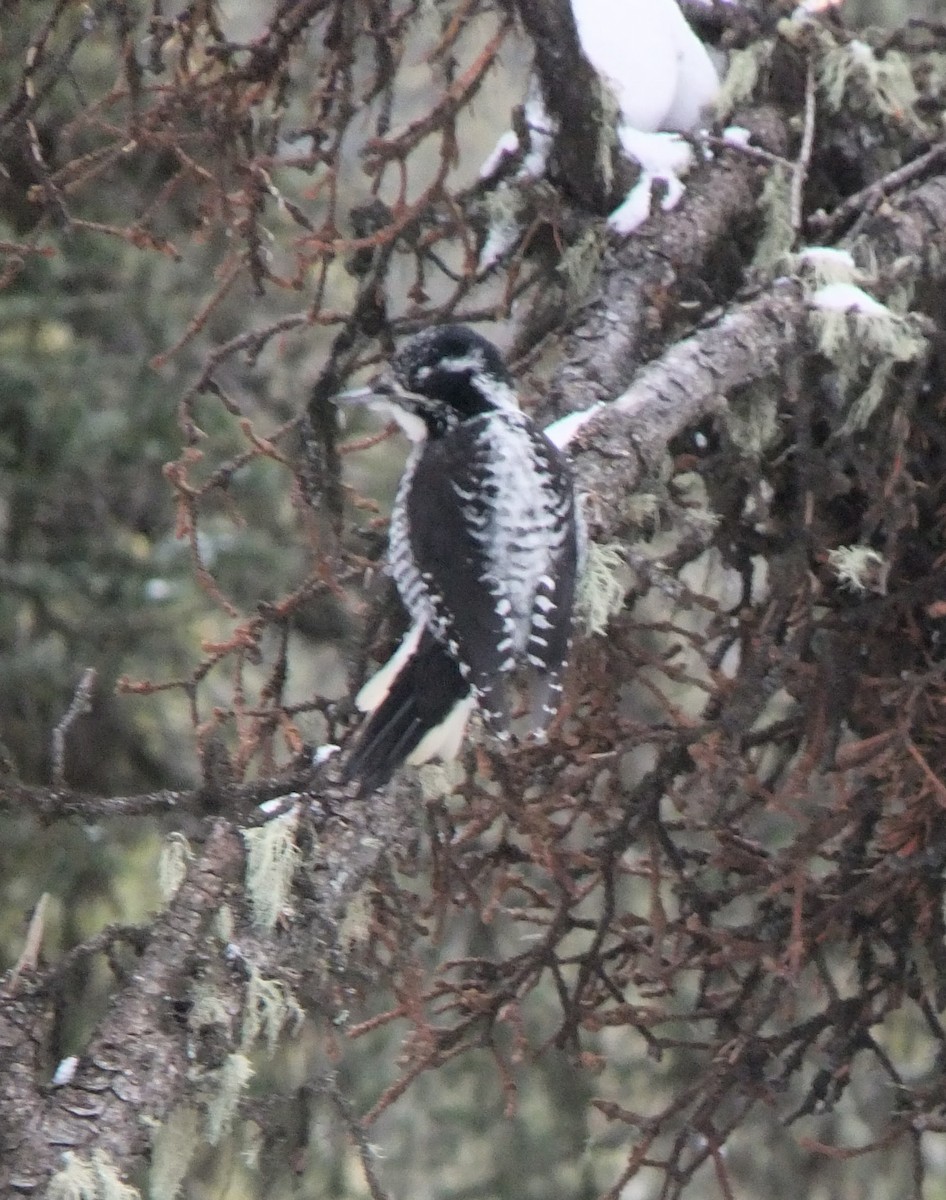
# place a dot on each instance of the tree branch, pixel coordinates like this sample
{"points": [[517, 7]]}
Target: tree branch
{"points": [[136, 1066], [645, 279], [587, 156]]}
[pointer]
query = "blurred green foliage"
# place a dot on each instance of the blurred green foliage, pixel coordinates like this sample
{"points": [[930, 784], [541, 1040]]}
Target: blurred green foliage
{"points": [[91, 574], [91, 571]]}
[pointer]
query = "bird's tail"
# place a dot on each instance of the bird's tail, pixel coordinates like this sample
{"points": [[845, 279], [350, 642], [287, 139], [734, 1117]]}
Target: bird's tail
{"points": [[416, 713]]}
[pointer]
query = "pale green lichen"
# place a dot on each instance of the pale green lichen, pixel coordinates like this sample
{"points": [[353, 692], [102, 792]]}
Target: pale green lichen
{"points": [[271, 860], [871, 343], [172, 1150], [503, 206], [862, 338], [745, 68], [604, 151], [208, 1008], [752, 420], [355, 926], [777, 236], [503, 209], [95, 1178], [866, 404], [642, 508], [930, 70], [901, 297], [231, 1082], [439, 779], [172, 865], [223, 924], [579, 264], [267, 1009], [251, 1144], [885, 84], [823, 265], [603, 586]]}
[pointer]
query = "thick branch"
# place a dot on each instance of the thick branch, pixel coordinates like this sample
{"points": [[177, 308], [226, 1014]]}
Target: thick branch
{"points": [[136, 1066], [646, 278], [588, 159], [694, 377], [58, 804], [140, 1063], [627, 440]]}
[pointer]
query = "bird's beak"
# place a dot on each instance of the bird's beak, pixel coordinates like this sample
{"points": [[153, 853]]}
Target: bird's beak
{"points": [[370, 395], [375, 389], [360, 395], [382, 395], [382, 384]]}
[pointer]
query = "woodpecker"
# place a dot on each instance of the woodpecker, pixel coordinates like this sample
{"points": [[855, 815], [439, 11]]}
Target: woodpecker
{"points": [[485, 547]]}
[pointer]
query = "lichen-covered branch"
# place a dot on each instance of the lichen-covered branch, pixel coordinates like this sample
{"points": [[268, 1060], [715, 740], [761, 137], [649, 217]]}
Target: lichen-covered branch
{"points": [[137, 1065]]}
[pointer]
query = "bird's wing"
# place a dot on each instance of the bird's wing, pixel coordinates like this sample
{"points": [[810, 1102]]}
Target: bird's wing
{"points": [[550, 630], [418, 714], [448, 515]]}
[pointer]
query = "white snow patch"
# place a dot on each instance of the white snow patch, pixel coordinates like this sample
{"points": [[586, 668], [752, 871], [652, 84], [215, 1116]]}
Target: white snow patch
{"points": [[830, 256], [323, 753], [662, 154], [845, 297], [736, 135], [65, 1072], [542, 128], [565, 429], [278, 802], [507, 146], [541, 133]]}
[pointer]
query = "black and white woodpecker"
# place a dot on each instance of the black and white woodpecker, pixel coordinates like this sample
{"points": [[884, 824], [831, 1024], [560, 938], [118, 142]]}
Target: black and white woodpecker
{"points": [[485, 547]]}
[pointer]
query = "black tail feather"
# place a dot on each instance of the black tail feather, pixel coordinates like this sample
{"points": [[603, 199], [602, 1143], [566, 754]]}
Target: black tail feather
{"points": [[423, 694]]}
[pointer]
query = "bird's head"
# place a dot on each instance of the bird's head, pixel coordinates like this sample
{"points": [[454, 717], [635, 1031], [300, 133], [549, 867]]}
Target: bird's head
{"points": [[438, 378]]}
